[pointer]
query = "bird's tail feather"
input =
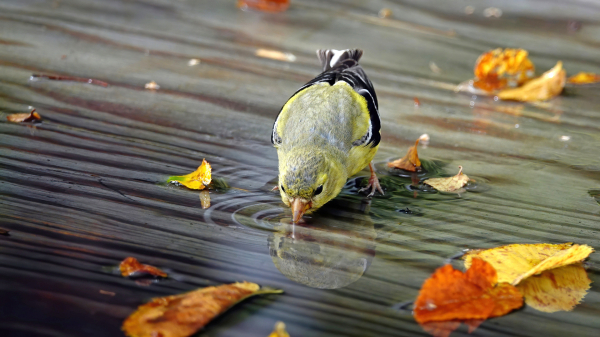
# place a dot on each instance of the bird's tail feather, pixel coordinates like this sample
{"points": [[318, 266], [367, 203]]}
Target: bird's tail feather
{"points": [[330, 58]]}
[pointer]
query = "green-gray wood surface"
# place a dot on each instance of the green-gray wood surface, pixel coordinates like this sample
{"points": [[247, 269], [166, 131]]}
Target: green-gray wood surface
{"points": [[84, 189]]}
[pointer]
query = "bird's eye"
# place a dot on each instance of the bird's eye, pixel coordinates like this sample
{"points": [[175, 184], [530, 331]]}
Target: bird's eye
{"points": [[319, 190], [283, 189]]}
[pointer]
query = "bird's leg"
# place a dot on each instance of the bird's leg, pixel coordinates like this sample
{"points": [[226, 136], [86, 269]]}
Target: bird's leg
{"points": [[373, 182]]}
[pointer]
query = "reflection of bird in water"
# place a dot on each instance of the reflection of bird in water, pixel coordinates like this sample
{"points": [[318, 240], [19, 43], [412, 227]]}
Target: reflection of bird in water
{"points": [[327, 253]]}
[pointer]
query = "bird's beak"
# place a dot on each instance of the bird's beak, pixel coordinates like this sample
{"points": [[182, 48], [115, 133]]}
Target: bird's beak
{"points": [[299, 206]]}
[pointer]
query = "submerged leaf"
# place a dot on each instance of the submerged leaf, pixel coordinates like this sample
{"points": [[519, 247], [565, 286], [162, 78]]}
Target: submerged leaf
{"points": [[410, 162], [549, 85], [501, 68], [557, 289], [450, 184], [450, 294], [24, 117], [196, 180], [584, 78], [204, 199], [519, 261], [131, 266], [279, 330], [182, 315]]}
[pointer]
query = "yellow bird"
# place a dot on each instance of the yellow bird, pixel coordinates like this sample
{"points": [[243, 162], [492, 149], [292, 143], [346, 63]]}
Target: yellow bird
{"points": [[326, 132]]}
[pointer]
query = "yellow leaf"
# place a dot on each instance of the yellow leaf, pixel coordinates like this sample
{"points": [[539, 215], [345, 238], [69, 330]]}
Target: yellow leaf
{"points": [[182, 315], [557, 289], [550, 84], [279, 330], [519, 261], [450, 184], [501, 68], [584, 78], [196, 180]]}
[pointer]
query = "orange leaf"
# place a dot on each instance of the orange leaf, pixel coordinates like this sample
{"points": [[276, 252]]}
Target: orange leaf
{"points": [[445, 328], [410, 162], [450, 294], [182, 315], [24, 117], [584, 78], [131, 266], [272, 6], [196, 180], [501, 68], [550, 84]]}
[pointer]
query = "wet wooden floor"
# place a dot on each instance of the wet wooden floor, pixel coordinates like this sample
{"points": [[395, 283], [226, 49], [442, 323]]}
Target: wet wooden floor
{"points": [[85, 188]]}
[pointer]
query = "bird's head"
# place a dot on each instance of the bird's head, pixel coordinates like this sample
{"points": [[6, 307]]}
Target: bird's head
{"points": [[308, 179]]}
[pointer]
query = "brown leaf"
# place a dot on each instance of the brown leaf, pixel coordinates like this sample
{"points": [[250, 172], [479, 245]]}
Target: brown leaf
{"points": [[549, 85], [182, 315], [410, 162], [131, 266], [584, 78], [24, 117], [450, 184], [450, 294]]}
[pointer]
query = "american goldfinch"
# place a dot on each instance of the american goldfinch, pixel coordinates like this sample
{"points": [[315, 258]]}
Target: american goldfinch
{"points": [[327, 132]]}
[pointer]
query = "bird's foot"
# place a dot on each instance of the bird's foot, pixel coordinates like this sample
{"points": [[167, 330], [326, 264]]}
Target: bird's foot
{"points": [[373, 185]]}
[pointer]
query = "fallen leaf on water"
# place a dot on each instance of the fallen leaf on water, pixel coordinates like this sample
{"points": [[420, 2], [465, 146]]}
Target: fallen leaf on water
{"points": [[450, 294], [556, 289], [275, 55], [501, 68], [272, 6], [152, 85], [450, 184], [205, 199], [445, 328], [520, 261], [131, 266], [584, 78], [549, 85], [196, 180], [279, 330], [182, 315], [24, 117], [410, 162], [385, 13]]}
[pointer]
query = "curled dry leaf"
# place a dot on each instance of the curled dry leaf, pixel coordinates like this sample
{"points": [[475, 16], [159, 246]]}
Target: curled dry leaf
{"points": [[279, 330], [196, 180], [410, 162], [131, 266], [559, 289], [272, 6], [584, 78], [205, 199], [182, 315], [501, 68], [32, 116], [450, 184], [550, 84], [450, 294], [520, 261]]}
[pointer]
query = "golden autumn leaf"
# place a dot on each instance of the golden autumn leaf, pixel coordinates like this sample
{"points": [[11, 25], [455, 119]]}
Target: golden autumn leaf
{"points": [[182, 315], [501, 68], [279, 330], [196, 180], [32, 116], [519, 261], [549, 85], [584, 78], [410, 162], [450, 184], [131, 266], [450, 294], [559, 289]]}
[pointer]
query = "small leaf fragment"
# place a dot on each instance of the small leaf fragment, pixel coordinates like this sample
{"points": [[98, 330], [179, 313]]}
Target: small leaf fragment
{"points": [[32, 116], [559, 289], [450, 184], [272, 6], [279, 330], [131, 266], [520, 261], [152, 85], [204, 199], [182, 315], [450, 294], [410, 162], [196, 180], [547, 86], [584, 78]]}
